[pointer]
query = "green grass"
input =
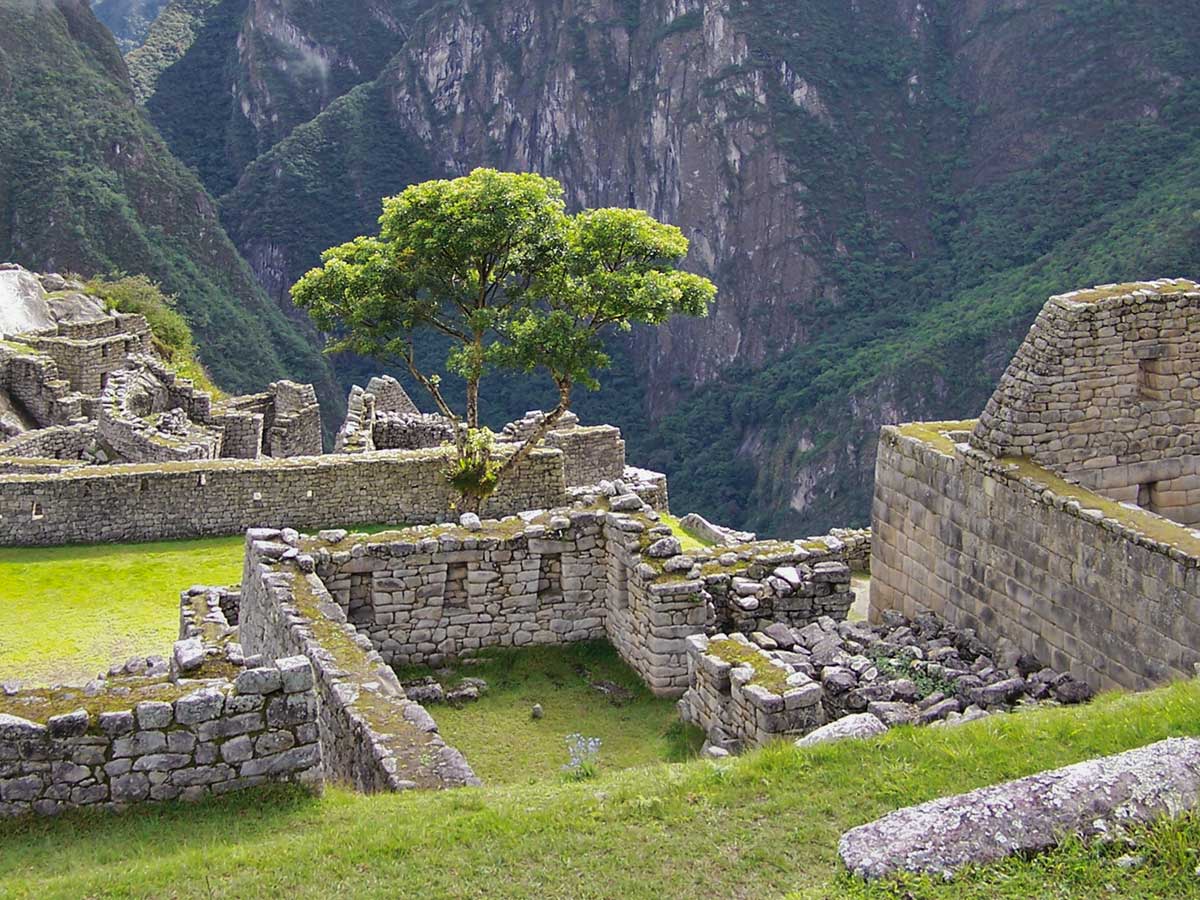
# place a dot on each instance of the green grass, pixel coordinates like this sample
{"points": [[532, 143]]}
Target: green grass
{"points": [[67, 613], [690, 543], [506, 746], [765, 825]]}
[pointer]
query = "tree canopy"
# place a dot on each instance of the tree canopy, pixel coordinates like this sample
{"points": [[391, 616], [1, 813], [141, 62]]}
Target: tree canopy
{"points": [[493, 261]]}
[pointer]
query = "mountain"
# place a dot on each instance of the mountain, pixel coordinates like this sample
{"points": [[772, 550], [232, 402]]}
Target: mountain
{"points": [[88, 186], [885, 191], [224, 80], [128, 20]]}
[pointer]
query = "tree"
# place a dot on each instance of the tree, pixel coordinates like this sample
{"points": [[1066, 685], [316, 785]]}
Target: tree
{"points": [[492, 261]]}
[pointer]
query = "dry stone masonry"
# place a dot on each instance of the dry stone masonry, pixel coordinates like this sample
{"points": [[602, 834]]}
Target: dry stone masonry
{"points": [[144, 738], [784, 681], [1053, 521], [65, 360]]}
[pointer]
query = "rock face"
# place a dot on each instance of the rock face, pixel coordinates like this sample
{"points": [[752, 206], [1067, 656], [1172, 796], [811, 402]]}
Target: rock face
{"points": [[23, 305], [1096, 798]]}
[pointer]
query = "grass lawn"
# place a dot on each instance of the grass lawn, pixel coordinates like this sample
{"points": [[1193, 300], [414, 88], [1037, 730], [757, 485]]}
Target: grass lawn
{"points": [[690, 543], [67, 613], [505, 746], [765, 825]]}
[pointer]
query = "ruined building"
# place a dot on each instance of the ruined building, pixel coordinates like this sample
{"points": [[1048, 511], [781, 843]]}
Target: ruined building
{"points": [[82, 385], [1061, 519]]}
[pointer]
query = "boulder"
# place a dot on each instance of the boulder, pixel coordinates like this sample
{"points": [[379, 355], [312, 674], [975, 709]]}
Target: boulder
{"points": [[858, 725]]}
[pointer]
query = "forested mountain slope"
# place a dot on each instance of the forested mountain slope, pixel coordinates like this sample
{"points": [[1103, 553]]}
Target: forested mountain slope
{"points": [[88, 186]]}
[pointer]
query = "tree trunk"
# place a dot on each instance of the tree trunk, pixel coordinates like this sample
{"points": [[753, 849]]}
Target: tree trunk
{"points": [[530, 443]]}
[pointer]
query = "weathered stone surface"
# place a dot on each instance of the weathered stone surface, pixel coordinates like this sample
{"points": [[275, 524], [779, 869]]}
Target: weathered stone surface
{"points": [[857, 725], [1096, 798]]}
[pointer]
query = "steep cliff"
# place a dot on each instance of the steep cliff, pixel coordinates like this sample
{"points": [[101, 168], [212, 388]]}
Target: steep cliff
{"points": [[224, 80], [88, 186]]}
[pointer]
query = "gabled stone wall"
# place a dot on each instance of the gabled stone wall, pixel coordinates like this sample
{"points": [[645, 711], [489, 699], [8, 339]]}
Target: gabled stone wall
{"points": [[1105, 390]]}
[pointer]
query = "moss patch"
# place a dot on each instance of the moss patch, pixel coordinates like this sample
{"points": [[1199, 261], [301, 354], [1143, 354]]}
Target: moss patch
{"points": [[935, 433], [768, 676], [1148, 523], [1104, 292], [691, 542]]}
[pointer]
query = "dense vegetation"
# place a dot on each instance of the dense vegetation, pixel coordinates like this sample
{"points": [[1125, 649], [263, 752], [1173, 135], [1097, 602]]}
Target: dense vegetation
{"points": [[762, 826], [88, 186]]}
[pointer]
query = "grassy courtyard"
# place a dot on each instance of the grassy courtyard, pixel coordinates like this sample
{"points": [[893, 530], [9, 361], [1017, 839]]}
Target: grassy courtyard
{"points": [[765, 825], [67, 613], [582, 688]]}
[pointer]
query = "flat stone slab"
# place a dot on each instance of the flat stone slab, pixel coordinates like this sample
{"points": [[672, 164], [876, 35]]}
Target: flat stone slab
{"points": [[1095, 798]]}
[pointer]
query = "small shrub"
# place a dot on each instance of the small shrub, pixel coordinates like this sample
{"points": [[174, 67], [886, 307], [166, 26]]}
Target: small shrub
{"points": [[473, 473], [169, 330]]}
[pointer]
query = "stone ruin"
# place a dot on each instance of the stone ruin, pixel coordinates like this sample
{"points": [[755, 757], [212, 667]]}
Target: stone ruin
{"points": [[753, 637], [82, 385], [1060, 520]]}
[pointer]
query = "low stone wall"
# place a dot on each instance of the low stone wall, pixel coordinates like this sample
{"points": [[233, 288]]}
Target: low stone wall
{"points": [[68, 442], [424, 597], [374, 737], [173, 500], [1107, 592], [739, 691], [183, 741]]}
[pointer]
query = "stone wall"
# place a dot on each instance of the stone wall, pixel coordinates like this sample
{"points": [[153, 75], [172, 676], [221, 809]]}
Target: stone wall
{"points": [[56, 442], [213, 497], [1105, 390], [374, 737], [427, 595], [421, 597], [33, 380], [87, 353], [293, 427], [751, 698], [183, 741], [593, 453], [1107, 592]]}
